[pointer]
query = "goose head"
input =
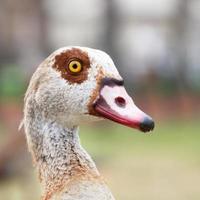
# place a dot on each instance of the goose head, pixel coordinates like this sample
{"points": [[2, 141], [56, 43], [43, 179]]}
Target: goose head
{"points": [[78, 84]]}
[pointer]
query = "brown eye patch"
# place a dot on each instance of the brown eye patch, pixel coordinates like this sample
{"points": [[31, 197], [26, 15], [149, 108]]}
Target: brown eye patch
{"points": [[63, 60]]}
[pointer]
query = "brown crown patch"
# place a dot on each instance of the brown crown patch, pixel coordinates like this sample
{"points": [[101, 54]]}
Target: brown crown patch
{"points": [[63, 59]]}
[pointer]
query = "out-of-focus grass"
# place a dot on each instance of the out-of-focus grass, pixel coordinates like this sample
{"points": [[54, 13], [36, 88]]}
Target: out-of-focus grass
{"points": [[173, 137], [159, 166]]}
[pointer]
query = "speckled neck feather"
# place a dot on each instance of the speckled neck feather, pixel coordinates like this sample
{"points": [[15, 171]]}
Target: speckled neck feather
{"points": [[65, 169]]}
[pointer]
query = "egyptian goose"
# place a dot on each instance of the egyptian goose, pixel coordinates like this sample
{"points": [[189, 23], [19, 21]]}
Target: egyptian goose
{"points": [[72, 86]]}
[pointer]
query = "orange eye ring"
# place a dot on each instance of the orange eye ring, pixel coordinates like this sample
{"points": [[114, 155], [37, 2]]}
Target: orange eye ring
{"points": [[75, 66]]}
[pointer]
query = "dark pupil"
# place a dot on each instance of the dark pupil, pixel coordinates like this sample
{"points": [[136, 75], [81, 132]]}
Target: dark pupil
{"points": [[75, 66]]}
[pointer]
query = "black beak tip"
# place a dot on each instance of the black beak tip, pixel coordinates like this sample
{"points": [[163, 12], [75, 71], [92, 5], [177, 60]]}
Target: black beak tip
{"points": [[147, 124]]}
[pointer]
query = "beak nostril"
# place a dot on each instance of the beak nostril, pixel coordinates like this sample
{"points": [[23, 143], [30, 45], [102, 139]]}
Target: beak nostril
{"points": [[120, 101]]}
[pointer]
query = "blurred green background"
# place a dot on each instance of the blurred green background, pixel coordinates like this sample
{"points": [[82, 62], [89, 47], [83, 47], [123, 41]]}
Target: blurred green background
{"points": [[156, 47]]}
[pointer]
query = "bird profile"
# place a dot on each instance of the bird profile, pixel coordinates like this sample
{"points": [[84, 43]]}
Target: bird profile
{"points": [[72, 86]]}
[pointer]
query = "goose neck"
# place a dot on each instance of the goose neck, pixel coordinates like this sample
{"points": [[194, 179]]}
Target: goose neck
{"points": [[60, 158]]}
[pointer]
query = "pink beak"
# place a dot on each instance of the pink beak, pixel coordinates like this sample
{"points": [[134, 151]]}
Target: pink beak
{"points": [[115, 104]]}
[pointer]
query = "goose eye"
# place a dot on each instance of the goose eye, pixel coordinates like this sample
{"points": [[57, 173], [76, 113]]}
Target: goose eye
{"points": [[75, 66]]}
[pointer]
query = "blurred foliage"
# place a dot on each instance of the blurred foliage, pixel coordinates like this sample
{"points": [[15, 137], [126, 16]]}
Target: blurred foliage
{"points": [[12, 82]]}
